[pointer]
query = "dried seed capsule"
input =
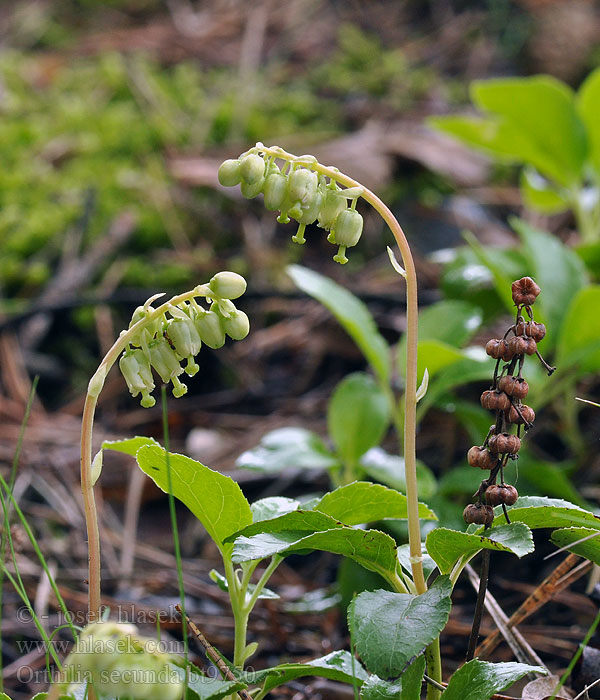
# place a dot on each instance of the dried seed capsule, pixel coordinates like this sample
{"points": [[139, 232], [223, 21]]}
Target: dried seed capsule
{"points": [[527, 413], [479, 456], [507, 352], [227, 285], [534, 330], [496, 495], [479, 514], [503, 443], [524, 291], [252, 169], [516, 387], [495, 400], [494, 348], [229, 173], [518, 345]]}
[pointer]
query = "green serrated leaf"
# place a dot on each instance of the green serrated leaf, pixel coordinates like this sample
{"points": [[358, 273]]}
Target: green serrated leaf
{"points": [[288, 447], [215, 499], [479, 680], [391, 629], [446, 546], [358, 416], [557, 269], [571, 537], [273, 507], [540, 512], [338, 666], [408, 687], [372, 549], [205, 688], [298, 521], [364, 502], [129, 446], [352, 314], [389, 470]]}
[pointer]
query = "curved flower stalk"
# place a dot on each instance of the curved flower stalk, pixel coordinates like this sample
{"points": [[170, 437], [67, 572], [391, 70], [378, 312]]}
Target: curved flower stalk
{"points": [[307, 191], [304, 190], [161, 339]]}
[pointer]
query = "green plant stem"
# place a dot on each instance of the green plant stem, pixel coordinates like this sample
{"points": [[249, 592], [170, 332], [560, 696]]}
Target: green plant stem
{"points": [[434, 666], [87, 425], [175, 532]]}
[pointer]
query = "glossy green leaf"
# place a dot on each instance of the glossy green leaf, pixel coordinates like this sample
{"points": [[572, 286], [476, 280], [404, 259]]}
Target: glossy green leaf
{"points": [[588, 106], [364, 502], [205, 688], [539, 193], [540, 512], [549, 478], [288, 448], [297, 521], [372, 549], [352, 314], [215, 499], [389, 470], [391, 629], [338, 666], [273, 507], [497, 137], [488, 257], [571, 537], [222, 583], [408, 687], [479, 680], [543, 109], [358, 416], [446, 547], [557, 269], [129, 446], [579, 337]]}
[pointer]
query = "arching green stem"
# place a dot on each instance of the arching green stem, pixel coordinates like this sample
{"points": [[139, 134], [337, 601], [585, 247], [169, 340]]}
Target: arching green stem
{"points": [[87, 424]]}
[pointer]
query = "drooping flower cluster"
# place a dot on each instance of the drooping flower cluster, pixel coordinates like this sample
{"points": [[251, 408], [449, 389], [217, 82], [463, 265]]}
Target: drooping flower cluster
{"points": [[298, 192], [164, 341], [505, 398]]}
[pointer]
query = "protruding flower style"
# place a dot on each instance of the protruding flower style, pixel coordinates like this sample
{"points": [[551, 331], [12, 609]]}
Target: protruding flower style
{"points": [[302, 191], [162, 342]]}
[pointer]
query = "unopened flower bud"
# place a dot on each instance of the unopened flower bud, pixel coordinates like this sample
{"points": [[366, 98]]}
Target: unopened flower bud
{"points": [[227, 285], [237, 326], [252, 169], [210, 328], [333, 205], [275, 191], [302, 186], [153, 327], [135, 368], [229, 173]]}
